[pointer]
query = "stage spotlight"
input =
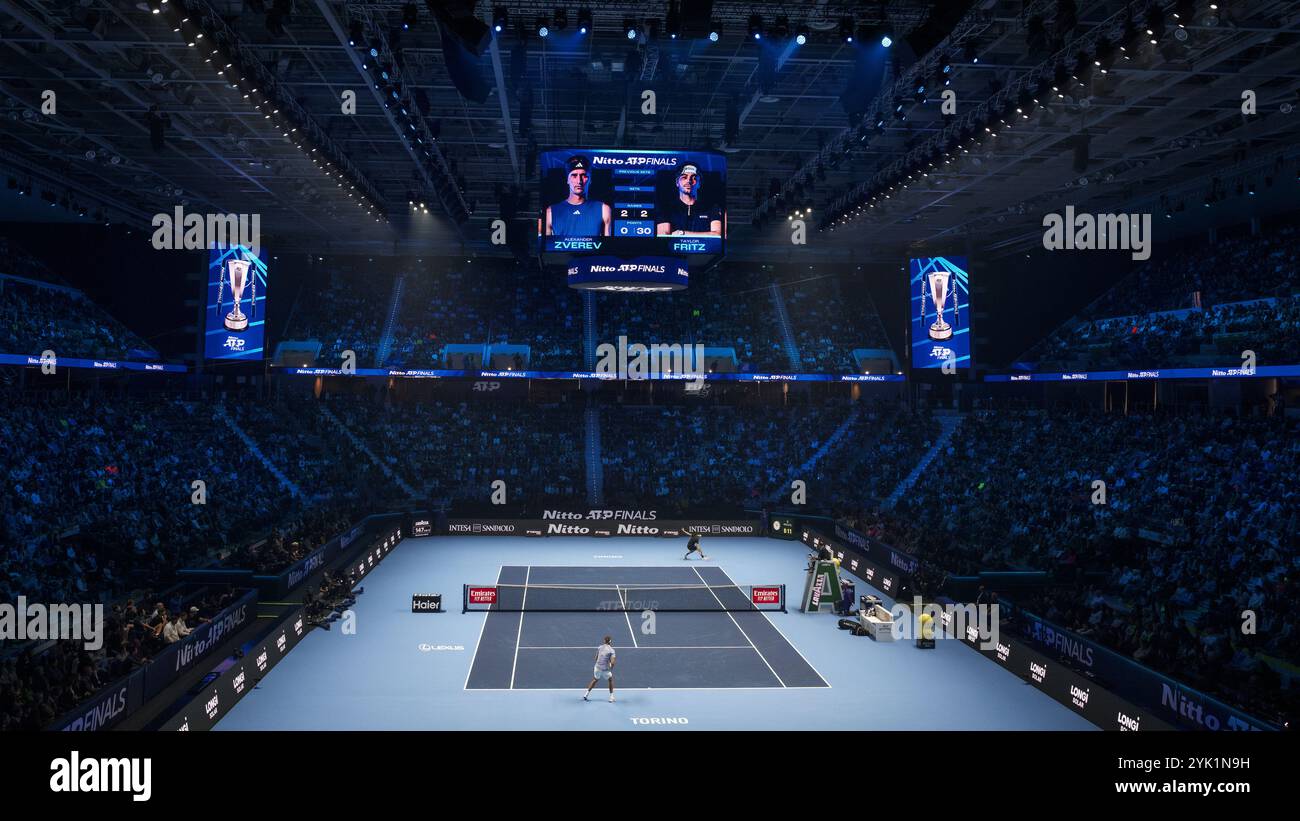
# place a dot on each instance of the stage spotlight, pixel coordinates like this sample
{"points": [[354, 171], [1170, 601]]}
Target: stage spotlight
{"points": [[756, 26], [1059, 77], [801, 34], [1105, 56], [715, 32], [355, 32], [970, 53], [500, 19], [543, 26], [1155, 23], [886, 40], [1128, 40], [584, 21], [673, 20], [631, 28], [1184, 10], [410, 16], [846, 29]]}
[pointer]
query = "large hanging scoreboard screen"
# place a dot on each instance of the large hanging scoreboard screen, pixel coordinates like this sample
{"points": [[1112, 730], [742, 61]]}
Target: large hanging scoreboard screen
{"points": [[632, 203]]}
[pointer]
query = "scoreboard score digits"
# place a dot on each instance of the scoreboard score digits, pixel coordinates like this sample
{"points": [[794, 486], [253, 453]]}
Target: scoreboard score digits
{"points": [[632, 203]]}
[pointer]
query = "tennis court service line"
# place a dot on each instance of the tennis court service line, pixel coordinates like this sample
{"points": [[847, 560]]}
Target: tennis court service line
{"points": [[782, 634], [738, 627], [647, 647], [630, 631], [518, 635], [479, 643]]}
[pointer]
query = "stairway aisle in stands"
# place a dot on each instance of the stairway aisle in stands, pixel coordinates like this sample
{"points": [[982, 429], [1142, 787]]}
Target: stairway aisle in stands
{"points": [[807, 468], [948, 423], [591, 447], [223, 417], [787, 331], [394, 307], [364, 448]]}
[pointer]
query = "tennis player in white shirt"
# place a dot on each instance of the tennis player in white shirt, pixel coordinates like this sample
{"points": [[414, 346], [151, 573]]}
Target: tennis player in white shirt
{"points": [[604, 668]]}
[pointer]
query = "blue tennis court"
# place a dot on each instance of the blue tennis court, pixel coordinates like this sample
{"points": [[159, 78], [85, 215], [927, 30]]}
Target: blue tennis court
{"points": [[452, 671], [528, 647]]}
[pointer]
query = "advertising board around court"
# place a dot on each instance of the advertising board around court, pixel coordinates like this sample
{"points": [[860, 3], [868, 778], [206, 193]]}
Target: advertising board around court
{"points": [[856, 561], [1168, 699], [1086, 697], [218, 695], [601, 527], [114, 703], [176, 659]]}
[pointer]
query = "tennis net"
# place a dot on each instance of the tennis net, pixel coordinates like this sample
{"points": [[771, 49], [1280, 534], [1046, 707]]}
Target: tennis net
{"points": [[562, 598]]}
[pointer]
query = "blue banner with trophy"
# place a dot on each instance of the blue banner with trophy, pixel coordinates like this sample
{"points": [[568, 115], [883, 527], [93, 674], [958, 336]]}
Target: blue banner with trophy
{"points": [[940, 289], [235, 323]]}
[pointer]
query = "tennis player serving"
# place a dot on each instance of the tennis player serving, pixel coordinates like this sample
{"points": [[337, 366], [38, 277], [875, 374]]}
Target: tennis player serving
{"points": [[604, 668]]}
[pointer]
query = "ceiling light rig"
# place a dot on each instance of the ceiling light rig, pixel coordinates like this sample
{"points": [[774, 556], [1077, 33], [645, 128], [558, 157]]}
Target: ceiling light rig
{"points": [[913, 86], [420, 134], [203, 30], [1101, 49]]}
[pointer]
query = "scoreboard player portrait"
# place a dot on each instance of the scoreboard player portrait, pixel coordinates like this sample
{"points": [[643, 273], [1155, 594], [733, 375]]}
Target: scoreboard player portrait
{"points": [[576, 215], [626, 203], [685, 213]]}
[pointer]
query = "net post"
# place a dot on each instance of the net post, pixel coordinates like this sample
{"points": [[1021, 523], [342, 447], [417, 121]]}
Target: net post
{"points": [[464, 599], [783, 598]]}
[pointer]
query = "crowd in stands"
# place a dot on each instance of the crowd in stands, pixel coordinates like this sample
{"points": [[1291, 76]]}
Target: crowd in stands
{"points": [[691, 458], [1201, 306], [455, 451], [322, 604], [487, 301], [344, 310], [37, 688], [1199, 524], [36, 318], [728, 310], [826, 328]]}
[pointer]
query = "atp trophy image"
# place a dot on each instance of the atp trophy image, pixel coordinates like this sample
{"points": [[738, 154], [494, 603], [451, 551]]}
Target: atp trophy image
{"points": [[940, 283], [236, 320]]}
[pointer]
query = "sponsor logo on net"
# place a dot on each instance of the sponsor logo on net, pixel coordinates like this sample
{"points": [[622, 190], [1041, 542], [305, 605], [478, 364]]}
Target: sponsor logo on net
{"points": [[977, 623], [433, 648], [660, 720], [126, 775]]}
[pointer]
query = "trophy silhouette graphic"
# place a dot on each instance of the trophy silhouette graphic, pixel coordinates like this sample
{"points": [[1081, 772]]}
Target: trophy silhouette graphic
{"points": [[236, 320], [940, 283]]}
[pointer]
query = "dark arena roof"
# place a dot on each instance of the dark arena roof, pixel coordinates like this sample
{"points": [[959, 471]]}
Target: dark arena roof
{"points": [[818, 367]]}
